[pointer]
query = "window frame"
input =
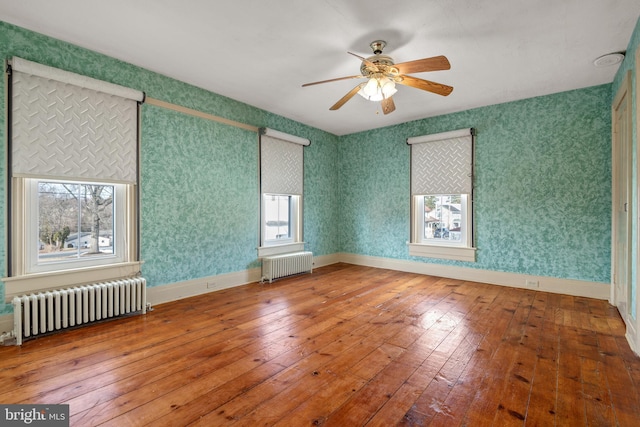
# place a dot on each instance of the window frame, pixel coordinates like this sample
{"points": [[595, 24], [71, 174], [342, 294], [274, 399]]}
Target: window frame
{"points": [[294, 215], [20, 281], [419, 228], [459, 251], [32, 263]]}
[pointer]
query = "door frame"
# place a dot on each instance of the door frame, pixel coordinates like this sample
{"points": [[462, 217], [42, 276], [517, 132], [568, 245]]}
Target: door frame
{"points": [[633, 328], [622, 194]]}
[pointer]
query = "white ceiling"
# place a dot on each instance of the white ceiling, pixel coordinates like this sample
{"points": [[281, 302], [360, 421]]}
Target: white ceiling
{"points": [[261, 52]]}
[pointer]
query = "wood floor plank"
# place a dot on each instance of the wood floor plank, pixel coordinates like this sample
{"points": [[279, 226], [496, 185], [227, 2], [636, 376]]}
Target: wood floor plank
{"points": [[570, 407], [432, 403], [296, 365], [96, 408], [459, 399], [515, 397], [542, 408], [598, 405], [370, 398], [316, 409], [501, 357], [624, 396], [348, 346]]}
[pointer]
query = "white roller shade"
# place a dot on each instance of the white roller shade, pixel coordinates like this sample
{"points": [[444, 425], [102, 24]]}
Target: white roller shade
{"points": [[281, 165], [284, 136], [442, 163], [61, 130], [62, 76]]}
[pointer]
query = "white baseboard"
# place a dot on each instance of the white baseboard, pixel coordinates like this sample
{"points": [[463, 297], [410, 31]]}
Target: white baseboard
{"points": [[632, 336], [323, 260], [189, 288], [631, 339], [6, 324], [547, 284]]}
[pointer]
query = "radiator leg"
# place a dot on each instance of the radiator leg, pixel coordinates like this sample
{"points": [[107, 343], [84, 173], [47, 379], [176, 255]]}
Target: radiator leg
{"points": [[144, 296], [17, 320]]}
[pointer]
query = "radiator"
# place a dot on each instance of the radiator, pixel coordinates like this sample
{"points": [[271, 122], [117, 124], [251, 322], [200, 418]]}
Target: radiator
{"points": [[49, 311], [277, 266]]}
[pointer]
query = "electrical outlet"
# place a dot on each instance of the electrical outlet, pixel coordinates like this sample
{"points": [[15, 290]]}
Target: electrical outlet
{"points": [[532, 284]]}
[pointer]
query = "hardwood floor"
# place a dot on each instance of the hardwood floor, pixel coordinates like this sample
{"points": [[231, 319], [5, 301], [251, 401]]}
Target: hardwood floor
{"points": [[344, 346]]}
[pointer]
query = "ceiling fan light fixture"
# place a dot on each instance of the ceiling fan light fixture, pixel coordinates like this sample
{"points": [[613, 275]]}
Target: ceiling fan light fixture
{"points": [[388, 88], [378, 88], [370, 89]]}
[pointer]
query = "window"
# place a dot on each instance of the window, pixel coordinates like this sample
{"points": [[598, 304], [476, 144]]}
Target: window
{"points": [[75, 224], [444, 218], [74, 173], [281, 188], [277, 216], [441, 188]]}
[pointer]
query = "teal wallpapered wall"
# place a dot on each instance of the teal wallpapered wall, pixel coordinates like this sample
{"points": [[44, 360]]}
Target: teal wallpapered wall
{"points": [[542, 186], [198, 190], [199, 179]]}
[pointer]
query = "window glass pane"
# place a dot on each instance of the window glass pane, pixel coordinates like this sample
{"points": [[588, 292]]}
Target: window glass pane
{"points": [[277, 211], [443, 218], [75, 221]]}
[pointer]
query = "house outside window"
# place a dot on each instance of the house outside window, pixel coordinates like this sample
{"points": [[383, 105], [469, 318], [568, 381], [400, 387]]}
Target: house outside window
{"points": [[443, 218]]}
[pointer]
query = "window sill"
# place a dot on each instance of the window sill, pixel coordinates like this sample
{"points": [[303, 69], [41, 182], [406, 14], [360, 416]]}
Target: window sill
{"points": [[38, 282], [443, 252], [280, 249]]}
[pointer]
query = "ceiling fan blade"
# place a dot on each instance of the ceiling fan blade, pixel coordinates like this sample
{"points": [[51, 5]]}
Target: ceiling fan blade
{"points": [[388, 106], [333, 80], [427, 85], [365, 60], [436, 63], [345, 98]]}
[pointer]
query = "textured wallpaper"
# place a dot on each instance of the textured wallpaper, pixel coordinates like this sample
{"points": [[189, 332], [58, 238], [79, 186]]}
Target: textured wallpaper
{"points": [[199, 179], [199, 197], [542, 186]]}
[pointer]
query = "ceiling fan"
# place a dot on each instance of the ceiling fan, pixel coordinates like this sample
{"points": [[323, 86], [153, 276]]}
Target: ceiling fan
{"points": [[382, 75]]}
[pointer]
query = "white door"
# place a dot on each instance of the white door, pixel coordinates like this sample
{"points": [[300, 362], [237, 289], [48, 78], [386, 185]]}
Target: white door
{"points": [[622, 215]]}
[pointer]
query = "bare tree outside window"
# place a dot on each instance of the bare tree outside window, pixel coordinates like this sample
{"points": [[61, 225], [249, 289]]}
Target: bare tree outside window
{"points": [[100, 198], [75, 220]]}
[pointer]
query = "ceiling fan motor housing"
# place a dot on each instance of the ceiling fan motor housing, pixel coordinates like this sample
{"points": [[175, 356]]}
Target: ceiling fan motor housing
{"points": [[382, 62]]}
